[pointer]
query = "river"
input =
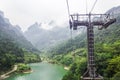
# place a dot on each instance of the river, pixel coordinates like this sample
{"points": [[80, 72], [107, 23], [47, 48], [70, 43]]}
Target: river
{"points": [[41, 71]]}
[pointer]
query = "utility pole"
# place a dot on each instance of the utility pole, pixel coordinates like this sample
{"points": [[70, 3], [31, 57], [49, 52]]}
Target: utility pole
{"points": [[91, 20]]}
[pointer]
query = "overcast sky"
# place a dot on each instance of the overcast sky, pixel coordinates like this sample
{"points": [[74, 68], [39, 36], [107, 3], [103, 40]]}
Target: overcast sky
{"points": [[27, 12]]}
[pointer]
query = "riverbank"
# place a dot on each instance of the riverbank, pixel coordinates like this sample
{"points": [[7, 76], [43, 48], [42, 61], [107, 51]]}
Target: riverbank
{"points": [[55, 62], [16, 68], [41, 71], [6, 75], [30, 71], [23, 68]]}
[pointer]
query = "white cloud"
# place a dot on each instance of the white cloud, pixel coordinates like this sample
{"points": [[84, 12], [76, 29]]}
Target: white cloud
{"points": [[26, 12], [46, 26]]}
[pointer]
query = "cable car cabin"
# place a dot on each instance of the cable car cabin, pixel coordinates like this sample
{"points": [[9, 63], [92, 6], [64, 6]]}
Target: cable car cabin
{"points": [[75, 24], [74, 27]]}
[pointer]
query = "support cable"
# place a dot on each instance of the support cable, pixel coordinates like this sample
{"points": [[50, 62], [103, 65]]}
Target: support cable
{"points": [[86, 7], [71, 33], [93, 5], [68, 9]]}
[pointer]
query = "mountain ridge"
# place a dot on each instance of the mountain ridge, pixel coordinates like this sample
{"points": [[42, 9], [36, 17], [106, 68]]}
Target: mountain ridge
{"points": [[44, 39], [14, 33]]}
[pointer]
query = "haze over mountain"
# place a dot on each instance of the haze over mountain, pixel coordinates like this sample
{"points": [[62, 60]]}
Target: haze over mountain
{"points": [[14, 33], [114, 10], [100, 35], [57, 46], [107, 52], [14, 47], [46, 38]]}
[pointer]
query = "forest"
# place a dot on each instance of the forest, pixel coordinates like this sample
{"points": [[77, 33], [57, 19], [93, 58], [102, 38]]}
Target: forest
{"points": [[14, 48], [73, 53], [50, 51]]}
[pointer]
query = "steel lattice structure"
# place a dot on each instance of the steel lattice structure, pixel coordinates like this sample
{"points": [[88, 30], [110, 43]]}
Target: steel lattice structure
{"points": [[91, 20]]}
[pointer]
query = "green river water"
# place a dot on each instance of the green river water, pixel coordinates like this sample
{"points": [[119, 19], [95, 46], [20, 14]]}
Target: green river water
{"points": [[41, 71]]}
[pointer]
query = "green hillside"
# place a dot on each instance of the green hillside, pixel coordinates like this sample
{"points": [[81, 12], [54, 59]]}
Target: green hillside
{"points": [[14, 48], [73, 52]]}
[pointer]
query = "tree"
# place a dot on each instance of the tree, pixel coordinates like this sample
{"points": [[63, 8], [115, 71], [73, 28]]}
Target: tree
{"points": [[113, 66]]}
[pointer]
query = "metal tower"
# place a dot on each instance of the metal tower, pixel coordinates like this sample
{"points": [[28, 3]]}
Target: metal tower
{"points": [[91, 20]]}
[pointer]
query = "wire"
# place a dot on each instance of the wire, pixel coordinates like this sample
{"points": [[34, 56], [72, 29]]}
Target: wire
{"points": [[71, 40], [86, 7], [68, 9], [93, 5], [71, 33], [69, 15]]}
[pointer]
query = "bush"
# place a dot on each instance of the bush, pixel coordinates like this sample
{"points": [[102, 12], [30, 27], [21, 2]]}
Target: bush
{"points": [[23, 67], [113, 66], [116, 76]]}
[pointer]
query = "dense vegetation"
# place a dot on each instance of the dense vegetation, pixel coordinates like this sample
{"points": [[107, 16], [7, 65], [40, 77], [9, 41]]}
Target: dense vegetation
{"points": [[14, 48], [107, 53], [23, 68], [107, 60], [10, 54]]}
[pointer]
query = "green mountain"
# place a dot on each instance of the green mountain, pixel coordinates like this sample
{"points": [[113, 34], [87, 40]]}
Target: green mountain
{"points": [[73, 52], [43, 39], [7, 30], [109, 35], [14, 48]]}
